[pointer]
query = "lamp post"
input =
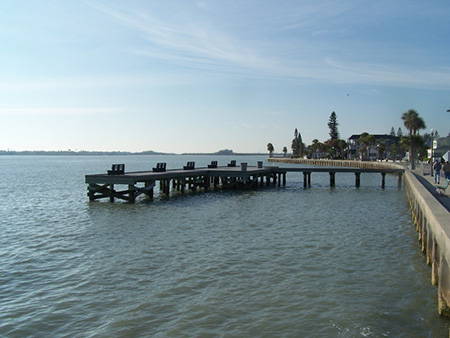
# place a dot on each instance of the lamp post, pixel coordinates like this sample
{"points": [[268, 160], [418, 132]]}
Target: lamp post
{"points": [[431, 157]]}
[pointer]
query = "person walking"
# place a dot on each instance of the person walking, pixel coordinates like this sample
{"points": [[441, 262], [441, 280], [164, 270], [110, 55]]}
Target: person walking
{"points": [[437, 172], [446, 169]]}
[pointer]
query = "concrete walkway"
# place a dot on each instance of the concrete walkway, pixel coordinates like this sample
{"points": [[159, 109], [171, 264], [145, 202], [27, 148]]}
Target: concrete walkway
{"points": [[424, 177]]}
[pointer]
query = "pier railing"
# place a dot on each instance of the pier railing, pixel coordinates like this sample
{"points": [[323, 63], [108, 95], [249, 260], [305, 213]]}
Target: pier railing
{"points": [[338, 163]]}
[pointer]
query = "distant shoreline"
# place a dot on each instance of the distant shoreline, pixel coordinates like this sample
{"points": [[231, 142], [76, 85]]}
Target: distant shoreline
{"points": [[115, 153]]}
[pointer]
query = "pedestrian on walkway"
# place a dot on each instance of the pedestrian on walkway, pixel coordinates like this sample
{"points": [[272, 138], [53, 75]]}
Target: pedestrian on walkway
{"points": [[437, 172], [446, 169]]}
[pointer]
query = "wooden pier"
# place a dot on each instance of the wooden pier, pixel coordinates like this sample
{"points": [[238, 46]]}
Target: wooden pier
{"points": [[190, 178]]}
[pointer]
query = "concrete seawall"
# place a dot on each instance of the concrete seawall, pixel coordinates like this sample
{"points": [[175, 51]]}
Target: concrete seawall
{"points": [[432, 222], [431, 218]]}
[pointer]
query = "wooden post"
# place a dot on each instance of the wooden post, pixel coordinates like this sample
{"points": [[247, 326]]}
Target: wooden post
{"points": [[149, 192], [305, 179], [357, 179], [284, 178], [131, 193], [167, 190], [332, 178], [309, 179], [91, 193], [111, 189], [383, 180], [399, 180], [183, 185]]}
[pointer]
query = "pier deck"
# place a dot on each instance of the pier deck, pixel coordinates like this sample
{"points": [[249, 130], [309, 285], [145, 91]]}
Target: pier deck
{"points": [[143, 182]]}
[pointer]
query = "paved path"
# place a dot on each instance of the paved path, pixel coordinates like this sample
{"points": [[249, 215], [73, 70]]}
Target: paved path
{"points": [[428, 182]]}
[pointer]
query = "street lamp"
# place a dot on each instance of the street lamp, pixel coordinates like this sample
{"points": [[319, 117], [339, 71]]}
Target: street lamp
{"points": [[431, 157]]}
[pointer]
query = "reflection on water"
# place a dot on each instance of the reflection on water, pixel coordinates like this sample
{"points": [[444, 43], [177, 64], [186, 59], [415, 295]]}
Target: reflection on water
{"points": [[271, 262]]}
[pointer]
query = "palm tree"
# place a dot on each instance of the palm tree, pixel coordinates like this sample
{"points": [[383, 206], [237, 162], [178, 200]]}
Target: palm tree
{"points": [[381, 148], [366, 140], [394, 151], [342, 146], [270, 149], [413, 122], [315, 146]]}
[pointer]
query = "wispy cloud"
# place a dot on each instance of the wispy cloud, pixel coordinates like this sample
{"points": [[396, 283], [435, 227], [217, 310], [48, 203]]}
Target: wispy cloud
{"points": [[89, 82], [41, 111], [302, 54]]}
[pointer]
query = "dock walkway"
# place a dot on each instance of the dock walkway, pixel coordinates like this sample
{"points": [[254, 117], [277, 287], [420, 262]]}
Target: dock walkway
{"points": [[143, 182], [241, 176]]}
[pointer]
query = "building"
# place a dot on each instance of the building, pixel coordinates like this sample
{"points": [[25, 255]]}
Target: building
{"points": [[354, 147], [441, 146]]}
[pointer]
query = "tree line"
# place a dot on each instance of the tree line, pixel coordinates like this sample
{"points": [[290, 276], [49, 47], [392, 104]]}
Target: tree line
{"points": [[336, 148]]}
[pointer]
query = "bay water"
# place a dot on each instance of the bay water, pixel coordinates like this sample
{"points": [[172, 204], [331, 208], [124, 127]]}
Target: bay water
{"points": [[271, 262]]}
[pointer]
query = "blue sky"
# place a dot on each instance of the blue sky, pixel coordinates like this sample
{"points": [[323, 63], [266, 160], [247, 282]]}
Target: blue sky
{"points": [[200, 76]]}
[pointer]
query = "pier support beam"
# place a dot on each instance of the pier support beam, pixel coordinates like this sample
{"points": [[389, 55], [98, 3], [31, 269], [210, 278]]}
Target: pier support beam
{"points": [[357, 179], [131, 193], [306, 179], [332, 178], [383, 180]]}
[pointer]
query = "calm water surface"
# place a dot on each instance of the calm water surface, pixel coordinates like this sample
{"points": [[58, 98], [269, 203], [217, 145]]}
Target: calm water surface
{"points": [[273, 262]]}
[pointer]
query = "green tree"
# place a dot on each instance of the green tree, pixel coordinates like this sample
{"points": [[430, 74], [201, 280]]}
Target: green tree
{"points": [[284, 151], [333, 125], [399, 132], [315, 147], [394, 150], [366, 141], [297, 144], [413, 122], [392, 131], [332, 147], [270, 149], [381, 148], [342, 147]]}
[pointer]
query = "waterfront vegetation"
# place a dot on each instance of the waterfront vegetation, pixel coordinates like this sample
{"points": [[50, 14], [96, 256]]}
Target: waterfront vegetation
{"points": [[365, 146]]}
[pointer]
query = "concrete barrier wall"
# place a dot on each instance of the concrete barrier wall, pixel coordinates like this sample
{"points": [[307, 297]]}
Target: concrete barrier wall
{"points": [[432, 222]]}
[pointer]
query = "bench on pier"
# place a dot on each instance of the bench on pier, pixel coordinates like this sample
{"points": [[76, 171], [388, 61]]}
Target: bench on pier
{"points": [[117, 169], [232, 163], [189, 166], [160, 167], [441, 188], [213, 164]]}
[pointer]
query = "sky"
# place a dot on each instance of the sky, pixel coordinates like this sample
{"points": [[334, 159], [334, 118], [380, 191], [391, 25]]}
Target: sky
{"points": [[201, 76]]}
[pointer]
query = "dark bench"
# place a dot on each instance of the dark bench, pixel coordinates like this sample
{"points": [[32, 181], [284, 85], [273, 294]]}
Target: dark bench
{"points": [[232, 163], [160, 167], [189, 166], [117, 169], [213, 164]]}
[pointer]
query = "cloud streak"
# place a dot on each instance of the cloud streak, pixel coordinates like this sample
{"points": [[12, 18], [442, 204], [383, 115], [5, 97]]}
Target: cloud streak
{"points": [[55, 111], [302, 54]]}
